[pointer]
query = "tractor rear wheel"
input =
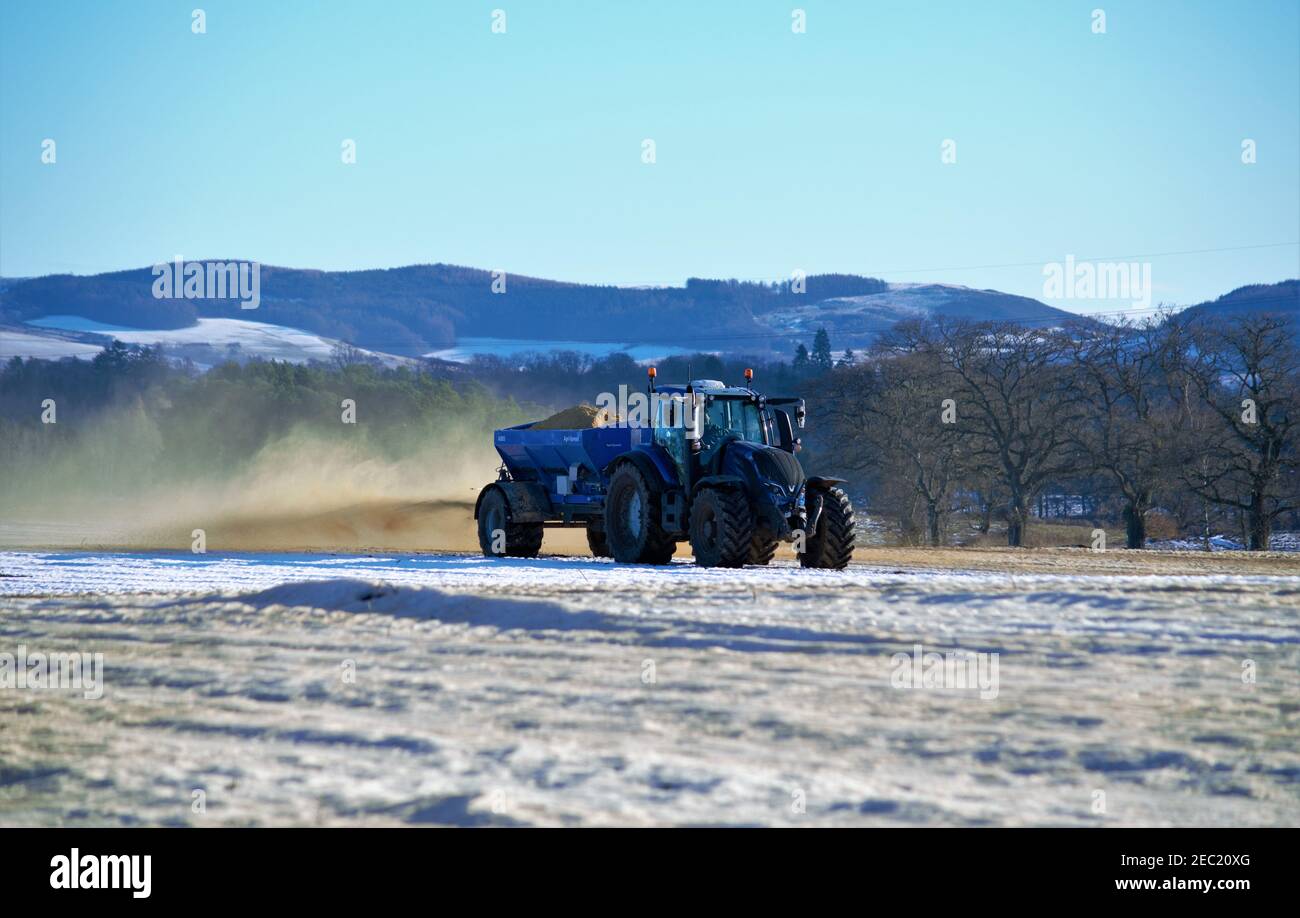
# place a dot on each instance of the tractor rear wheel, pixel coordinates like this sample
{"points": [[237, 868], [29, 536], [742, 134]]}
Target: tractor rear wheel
{"points": [[722, 528], [498, 537], [632, 529], [831, 546]]}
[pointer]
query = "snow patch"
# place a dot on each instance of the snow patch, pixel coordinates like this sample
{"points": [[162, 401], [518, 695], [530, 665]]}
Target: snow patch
{"points": [[229, 337], [45, 347]]}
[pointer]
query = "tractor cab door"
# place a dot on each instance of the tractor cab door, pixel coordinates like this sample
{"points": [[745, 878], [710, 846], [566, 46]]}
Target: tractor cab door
{"points": [[671, 420]]}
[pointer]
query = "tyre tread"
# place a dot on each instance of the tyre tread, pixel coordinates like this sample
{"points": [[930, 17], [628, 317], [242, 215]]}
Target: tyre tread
{"points": [[831, 547]]}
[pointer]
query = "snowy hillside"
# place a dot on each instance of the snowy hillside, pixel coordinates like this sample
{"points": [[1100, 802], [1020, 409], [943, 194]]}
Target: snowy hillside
{"points": [[856, 321], [14, 343], [206, 343], [453, 311]]}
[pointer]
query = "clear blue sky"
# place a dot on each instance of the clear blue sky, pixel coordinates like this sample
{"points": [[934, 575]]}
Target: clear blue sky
{"points": [[775, 151]]}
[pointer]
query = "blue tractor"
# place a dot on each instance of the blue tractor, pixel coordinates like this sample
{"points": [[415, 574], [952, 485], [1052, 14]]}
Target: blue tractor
{"points": [[707, 463]]}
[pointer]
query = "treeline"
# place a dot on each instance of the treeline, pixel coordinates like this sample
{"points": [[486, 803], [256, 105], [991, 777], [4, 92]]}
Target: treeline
{"points": [[760, 298], [1195, 419], [562, 378]]}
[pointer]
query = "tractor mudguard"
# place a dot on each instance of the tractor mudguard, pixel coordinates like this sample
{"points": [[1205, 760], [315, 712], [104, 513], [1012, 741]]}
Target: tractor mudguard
{"points": [[815, 499], [726, 482], [653, 463], [527, 500]]}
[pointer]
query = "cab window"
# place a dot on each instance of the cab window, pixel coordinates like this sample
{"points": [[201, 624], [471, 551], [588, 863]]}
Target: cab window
{"points": [[734, 416]]}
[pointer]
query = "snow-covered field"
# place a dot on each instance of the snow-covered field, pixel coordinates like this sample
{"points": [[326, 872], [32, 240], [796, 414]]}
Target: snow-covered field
{"points": [[304, 689]]}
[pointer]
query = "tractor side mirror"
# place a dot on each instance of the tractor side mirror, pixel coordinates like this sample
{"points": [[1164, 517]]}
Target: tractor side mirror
{"points": [[801, 414], [784, 430]]}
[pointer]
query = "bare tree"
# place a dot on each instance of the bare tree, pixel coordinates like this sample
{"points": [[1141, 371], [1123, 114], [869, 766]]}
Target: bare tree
{"points": [[1199, 418], [1244, 410], [1015, 403], [891, 407], [1128, 380]]}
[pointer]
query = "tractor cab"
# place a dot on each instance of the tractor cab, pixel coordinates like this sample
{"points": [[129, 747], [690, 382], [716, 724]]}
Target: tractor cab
{"points": [[712, 413]]}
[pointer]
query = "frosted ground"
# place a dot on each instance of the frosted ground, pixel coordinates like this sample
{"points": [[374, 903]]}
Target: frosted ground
{"points": [[517, 692]]}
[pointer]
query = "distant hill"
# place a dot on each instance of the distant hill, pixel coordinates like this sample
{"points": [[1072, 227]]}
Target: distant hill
{"points": [[1283, 297], [420, 308]]}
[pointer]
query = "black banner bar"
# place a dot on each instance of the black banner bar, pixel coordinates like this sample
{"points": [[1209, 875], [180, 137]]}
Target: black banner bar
{"points": [[330, 866]]}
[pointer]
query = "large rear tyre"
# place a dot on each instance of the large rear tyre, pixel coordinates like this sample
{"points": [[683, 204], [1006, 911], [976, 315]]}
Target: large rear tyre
{"points": [[831, 546], [722, 528], [632, 529], [498, 537]]}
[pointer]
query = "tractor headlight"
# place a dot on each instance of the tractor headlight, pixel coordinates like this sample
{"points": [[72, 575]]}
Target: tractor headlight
{"points": [[781, 494]]}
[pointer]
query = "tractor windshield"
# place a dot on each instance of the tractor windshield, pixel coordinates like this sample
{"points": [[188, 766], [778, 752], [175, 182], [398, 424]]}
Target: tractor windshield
{"points": [[737, 416]]}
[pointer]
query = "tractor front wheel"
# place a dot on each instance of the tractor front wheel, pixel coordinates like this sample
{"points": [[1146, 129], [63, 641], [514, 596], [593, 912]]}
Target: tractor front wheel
{"points": [[831, 546], [722, 528]]}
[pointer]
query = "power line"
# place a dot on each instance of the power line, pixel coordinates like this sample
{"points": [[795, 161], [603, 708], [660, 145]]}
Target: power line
{"points": [[885, 325], [1040, 263], [880, 272], [874, 272]]}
